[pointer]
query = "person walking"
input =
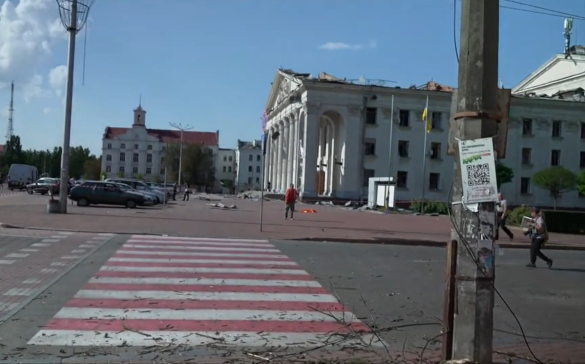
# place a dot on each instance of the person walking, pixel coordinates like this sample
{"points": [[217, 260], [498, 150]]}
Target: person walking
{"points": [[538, 236], [290, 198], [502, 211]]}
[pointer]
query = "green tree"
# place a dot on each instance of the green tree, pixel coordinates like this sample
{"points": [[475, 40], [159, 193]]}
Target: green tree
{"points": [[556, 180], [504, 174], [198, 167], [92, 168], [581, 183], [121, 174]]}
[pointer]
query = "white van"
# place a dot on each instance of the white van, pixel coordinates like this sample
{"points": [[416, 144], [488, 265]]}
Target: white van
{"points": [[20, 175]]}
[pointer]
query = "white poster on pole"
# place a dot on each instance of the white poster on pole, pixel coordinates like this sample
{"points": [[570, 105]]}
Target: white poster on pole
{"points": [[478, 170]]}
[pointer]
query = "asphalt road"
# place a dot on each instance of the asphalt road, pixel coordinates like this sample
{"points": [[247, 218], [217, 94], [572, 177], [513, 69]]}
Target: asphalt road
{"points": [[395, 285], [383, 285]]}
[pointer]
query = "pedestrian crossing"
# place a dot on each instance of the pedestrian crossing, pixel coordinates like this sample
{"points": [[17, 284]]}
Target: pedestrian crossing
{"points": [[197, 291]]}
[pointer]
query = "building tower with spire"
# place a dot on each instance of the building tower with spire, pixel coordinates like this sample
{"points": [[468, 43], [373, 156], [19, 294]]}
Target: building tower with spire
{"points": [[139, 115], [10, 128]]}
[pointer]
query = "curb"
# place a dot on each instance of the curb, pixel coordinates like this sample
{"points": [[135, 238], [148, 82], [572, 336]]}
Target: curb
{"points": [[432, 243], [396, 241]]}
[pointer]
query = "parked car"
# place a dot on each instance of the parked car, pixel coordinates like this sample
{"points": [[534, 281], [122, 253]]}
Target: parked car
{"points": [[104, 193], [44, 185], [158, 187], [128, 188], [140, 186]]}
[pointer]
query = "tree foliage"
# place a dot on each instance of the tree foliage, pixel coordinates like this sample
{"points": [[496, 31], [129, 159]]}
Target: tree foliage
{"points": [[504, 174], [81, 162], [556, 180], [581, 183], [198, 167]]}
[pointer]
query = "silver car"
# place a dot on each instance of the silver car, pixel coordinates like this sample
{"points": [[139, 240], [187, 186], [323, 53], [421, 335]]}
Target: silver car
{"points": [[140, 186]]}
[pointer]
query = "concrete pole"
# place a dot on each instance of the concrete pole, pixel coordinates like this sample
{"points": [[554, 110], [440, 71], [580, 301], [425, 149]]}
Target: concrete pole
{"points": [[476, 96], [65, 153], [180, 161]]}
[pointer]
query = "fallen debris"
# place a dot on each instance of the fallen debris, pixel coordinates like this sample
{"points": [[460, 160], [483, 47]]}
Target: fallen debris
{"points": [[222, 206]]}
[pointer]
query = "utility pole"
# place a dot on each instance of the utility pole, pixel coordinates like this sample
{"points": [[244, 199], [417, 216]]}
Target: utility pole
{"points": [[477, 104], [182, 128]]}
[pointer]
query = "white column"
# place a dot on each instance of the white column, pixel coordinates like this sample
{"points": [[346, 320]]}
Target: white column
{"points": [[266, 159], [273, 150], [326, 187], [311, 150], [278, 179], [290, 155], [331, 161], [295, 178]]}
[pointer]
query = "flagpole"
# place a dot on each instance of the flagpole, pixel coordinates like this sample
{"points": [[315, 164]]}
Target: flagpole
{"points": [[424, 162], [390, 155]]}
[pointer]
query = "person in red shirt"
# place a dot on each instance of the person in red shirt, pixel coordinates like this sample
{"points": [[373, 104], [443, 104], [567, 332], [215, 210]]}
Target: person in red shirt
{"points": [[289, 199]]}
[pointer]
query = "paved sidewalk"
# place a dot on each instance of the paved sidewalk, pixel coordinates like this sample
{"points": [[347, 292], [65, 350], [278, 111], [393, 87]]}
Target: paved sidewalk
{"points": [[197, 218], [30, 265]]}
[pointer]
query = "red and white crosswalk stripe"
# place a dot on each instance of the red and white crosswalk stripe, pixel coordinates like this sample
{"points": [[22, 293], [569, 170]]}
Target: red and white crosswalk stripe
{"points": [[195, 291]]}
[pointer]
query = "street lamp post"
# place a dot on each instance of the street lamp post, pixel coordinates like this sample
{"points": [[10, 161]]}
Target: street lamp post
{"points": [[73, 14], [182, 128]]}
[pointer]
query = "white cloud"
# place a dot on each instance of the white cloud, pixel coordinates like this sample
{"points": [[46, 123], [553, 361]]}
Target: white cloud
{"points": [[58, 78], [28, 34], [340, 46]]}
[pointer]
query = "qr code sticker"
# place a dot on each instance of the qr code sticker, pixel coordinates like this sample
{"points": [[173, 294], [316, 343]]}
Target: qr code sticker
{"points": [[478, 174]]}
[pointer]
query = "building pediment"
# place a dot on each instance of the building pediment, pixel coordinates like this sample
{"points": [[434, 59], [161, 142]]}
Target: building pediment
{"points": [[285, 82], [557, 74]]}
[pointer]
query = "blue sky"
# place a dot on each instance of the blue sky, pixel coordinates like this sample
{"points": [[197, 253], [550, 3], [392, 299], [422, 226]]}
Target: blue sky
{"points": [[210, 63]]}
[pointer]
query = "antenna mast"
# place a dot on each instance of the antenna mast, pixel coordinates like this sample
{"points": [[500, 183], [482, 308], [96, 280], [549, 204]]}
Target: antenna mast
{"points": [[10, 129]]}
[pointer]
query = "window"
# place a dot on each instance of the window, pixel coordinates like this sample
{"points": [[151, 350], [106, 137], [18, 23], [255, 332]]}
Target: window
{"points": [[526, 156], [249, 168], [229, 169], [108, 169], [162, 160], [435, 150], [258, 158], [368, 173], [108, 158], [526, 126], [250, 158], [135, 158], [162, 171], [370, 147], [134, 170], [436, 120], [556, 129], [257, 180], [122, 146], [224, 158], [404, 117], [371, 114], [434, 179], [249, 180], [149, 147], [135, 146], [122, 157], [224, 168], [582, 130], [402, 179], [149, 158], [230, 158], [149, 170], [524, 185], [403, 148], [555, 157], [258, 169], [109, 145], [582, 160], [121, 169]]}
